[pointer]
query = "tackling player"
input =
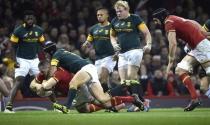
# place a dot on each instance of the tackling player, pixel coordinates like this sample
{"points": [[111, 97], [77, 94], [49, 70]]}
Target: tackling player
{"points": [[85, 102], [191, 32], [84, 73]]}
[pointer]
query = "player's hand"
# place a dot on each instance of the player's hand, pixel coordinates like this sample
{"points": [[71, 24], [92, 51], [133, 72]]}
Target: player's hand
{"points": [[147, 48], [17, 65]]}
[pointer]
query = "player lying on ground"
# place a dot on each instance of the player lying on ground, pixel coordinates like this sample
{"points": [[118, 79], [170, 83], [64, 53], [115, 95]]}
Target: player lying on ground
{"points": [[86, 102]]}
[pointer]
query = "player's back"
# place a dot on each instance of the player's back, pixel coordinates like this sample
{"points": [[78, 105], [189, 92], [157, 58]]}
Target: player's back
{"points": [[187, 30], [69, 61]]}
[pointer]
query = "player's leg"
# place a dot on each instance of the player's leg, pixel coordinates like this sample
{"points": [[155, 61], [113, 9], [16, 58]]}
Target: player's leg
{"points": [[182, 70], [202, 54], [104, 78], [20, 74], [80, 78], [56, 106], [134, 61], [3, 88], [122, 67], [205, 80], [104, 67]]}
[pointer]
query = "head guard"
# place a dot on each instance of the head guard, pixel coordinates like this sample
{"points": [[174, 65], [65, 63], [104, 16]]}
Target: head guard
{"points": [[160, 14], [50, 47]]}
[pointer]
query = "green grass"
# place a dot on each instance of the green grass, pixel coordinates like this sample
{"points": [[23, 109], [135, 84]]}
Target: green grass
{"points": [[172, 116]]}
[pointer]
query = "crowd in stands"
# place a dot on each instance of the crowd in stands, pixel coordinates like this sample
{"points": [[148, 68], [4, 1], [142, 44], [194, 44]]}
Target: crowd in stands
{"points": [[67, 22]]}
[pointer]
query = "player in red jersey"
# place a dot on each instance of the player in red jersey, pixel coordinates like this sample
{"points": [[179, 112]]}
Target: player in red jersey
{"points": [[86, 103], [192, 33]]}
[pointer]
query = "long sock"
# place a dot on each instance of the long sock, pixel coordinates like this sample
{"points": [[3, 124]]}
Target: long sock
{"points": [[188, 83], [128, 99], [94, 108], [70, 97], [105, 87], [136, 88]]}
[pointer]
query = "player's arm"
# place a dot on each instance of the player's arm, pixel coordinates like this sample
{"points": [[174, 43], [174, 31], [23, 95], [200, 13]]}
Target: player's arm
{"points": [[113, 38], [172, 49], [144, 29], [14, 39], [33, 85], [49, 84], [88, 41]]}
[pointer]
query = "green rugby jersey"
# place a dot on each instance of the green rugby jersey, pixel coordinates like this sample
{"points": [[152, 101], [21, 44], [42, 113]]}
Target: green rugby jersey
{"points": [[27, 40], [100, 37], [206, 26], [69, 61], [127, 32]]}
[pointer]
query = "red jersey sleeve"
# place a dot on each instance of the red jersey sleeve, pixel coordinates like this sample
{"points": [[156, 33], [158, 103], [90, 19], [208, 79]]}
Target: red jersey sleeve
{"points": [[60, 74], [40, 77], [169, 25]]}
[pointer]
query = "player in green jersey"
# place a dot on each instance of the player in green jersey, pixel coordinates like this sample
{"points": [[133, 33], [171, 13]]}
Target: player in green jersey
{"points": [[27, 39], [99, 36], [125, 38]]}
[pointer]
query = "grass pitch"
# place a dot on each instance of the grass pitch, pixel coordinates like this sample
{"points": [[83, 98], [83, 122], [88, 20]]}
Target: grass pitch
{"points": [[172, 116]]}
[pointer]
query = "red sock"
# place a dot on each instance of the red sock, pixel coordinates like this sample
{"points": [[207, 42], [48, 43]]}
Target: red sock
{"points": [[188, 83], [121, 99], [128, 99], [94, 108]]}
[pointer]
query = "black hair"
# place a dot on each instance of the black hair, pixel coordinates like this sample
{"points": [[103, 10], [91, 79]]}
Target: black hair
{"points": [[103, 8], [43, 63], [28, 12]]}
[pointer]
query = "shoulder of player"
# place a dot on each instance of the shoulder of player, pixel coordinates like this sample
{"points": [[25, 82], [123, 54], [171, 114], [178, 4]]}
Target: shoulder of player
{"points": [[19, 28], [38, 28], [170, 19], [134, 16], [93, 27]]}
